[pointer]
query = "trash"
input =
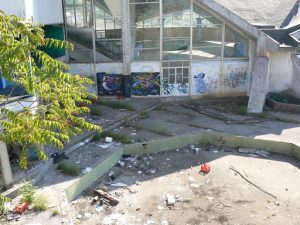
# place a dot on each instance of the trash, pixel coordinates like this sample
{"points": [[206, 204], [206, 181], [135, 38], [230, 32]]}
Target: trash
{"points": [[205, 168], [118, 184], [57, 157], [99, 208], [111, 173], [13, 216], [133, 134], [20, 208], [106, 197], [87, 170], [216, 151], [263, 153], [160, 207], [105, 146], [140, 172], [170, 199], [192, 147], [197, 150], [150, 172], [79, 216], [120, 163], [247, 150], [87, 215], [253, 155], [108, 139]]}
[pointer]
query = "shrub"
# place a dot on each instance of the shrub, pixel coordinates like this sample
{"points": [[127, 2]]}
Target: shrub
{"points": [[68, 169]]}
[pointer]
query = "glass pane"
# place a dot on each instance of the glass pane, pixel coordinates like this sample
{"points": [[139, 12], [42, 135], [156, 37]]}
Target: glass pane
{"points": [[176, 29], [145, 31], [82, 40], [70, 16], [236, 45], [69, 2], [108, 51], [112, 8], [172, 79], [207, 35], [176, 49]]}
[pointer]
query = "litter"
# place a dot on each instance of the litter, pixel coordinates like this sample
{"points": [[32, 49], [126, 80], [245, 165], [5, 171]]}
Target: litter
{"points": [[87, 170], [247, 150], [119, 184], [22, 207], [205, 168], [108, 139], [106, 197], [150, 172], [263, 153], [111, 173], [170, 199], [105, 146]]}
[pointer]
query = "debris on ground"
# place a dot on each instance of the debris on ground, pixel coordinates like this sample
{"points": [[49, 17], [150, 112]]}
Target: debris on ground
{"points": [[258, 187], [263, 153], [205, 168], [170, 199], [87, 170], [108, 139], [247, 150], [106, 198]]}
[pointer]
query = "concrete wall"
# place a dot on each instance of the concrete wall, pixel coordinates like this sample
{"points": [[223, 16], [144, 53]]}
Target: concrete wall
{"points": [[281, 71], [39, 10], [217, 77]]}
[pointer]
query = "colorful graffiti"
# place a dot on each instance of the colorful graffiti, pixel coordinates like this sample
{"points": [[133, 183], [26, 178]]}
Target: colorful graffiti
{"points": [[175, 89], [235, 79], [144, 84], [200, 83], [110, 84]]}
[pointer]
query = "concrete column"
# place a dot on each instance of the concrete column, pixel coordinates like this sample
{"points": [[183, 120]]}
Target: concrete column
{"points": [[126, 38], [5, 166], [259, 85]]}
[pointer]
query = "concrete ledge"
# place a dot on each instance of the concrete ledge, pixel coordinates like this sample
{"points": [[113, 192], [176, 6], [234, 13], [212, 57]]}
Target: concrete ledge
{"points": [[84, 182], [170, 143]]}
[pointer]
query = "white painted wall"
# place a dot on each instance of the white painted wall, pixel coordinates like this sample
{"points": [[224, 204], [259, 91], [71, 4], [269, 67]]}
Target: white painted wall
{"points": [[220, 77], [147, 67], [281, 71], [42, 11]]}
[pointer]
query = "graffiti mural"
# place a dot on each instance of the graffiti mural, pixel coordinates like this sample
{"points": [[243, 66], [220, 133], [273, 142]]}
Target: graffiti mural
{"points": [[144, 84], [235, 79], [175, 89], [110, 84], [216, 77]]}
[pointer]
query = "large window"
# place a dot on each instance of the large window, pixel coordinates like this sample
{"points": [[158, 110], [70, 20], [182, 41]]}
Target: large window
{"points": [[79, 30], [108, 17], [235, 44], [207, 35], [145, 29], [176, 29]]}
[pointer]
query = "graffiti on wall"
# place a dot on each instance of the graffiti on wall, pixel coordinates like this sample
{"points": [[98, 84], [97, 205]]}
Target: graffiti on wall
{"points": [[235, 79], [144, 84], [204, 84], [110, 84], [175, 89]]}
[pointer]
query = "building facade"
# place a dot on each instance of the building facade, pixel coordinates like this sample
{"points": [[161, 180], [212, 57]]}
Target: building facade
{"points": [[173, 48]]}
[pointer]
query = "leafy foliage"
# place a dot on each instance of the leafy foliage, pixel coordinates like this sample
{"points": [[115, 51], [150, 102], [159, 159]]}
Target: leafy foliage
{"points": [[68, 169], [3, 200], [53, 116], [27, 192]]}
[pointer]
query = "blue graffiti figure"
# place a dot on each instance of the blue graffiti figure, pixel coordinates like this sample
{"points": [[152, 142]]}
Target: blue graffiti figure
{"points": [[200, 84]]}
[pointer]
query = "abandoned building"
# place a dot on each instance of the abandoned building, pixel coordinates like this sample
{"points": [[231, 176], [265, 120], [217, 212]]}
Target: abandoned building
{"points": [[201, 49]]}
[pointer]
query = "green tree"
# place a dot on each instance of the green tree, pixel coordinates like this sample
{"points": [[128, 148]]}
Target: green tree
{"points": [[54, 114]]}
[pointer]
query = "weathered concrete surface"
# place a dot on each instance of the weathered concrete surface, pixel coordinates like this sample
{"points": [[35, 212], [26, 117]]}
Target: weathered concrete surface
{"points": [[5, 166], [259, 85]]}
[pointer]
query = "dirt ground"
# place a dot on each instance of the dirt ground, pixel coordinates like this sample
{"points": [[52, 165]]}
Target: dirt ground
{"points": [[220, 197]]}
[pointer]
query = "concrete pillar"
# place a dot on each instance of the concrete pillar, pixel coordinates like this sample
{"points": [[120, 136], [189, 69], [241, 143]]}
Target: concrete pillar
{"points": [[5, 166], [126, 38], [259, 85]]}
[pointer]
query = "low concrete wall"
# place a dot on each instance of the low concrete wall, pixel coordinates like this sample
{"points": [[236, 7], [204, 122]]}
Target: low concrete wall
{"points": [[171, 143], [84, 182]]}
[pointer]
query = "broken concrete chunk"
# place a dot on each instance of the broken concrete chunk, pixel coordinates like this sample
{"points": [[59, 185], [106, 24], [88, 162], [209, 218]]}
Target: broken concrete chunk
{"points": [[170, 199], [253, 155], [247, 150], [263, 153]]}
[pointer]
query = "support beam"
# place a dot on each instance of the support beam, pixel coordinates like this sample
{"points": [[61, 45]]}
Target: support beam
{"points": [[5, 166]]}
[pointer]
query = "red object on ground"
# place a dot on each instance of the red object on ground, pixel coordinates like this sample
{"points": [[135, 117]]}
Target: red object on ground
{"points": [[22, 207], [205, 168]]}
